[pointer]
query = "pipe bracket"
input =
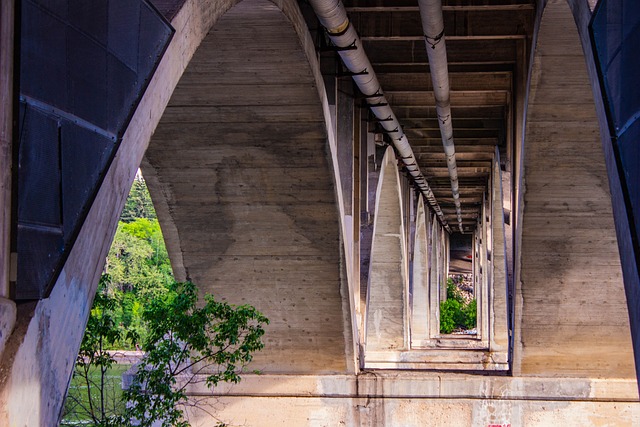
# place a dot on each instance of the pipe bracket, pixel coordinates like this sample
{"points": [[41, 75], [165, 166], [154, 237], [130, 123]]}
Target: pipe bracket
{"points": [[437, 39], [351, 73]]}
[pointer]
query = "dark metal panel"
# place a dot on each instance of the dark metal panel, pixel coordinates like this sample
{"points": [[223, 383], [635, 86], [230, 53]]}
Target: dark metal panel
{"points": [[84, 68], [629, 152], [122, 42], [84, 155], [46, 245], [121, 83], [43, 56], [39, 190], [87, 79], [615, 30], [90, 17]]}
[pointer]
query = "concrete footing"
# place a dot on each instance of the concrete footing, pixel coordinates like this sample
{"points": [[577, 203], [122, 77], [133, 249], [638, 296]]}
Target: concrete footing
{"points": [[419, 399]]}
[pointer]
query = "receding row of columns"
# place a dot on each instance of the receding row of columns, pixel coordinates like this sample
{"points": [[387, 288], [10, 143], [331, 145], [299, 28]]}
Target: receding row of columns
{"points": [[408, 274]]}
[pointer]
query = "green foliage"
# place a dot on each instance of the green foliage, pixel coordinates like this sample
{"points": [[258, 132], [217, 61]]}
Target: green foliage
{"points": [[96, 396], [138, 260], [139, 270], [471, 314], [449, 312], [183, 340], [454, 312], [138, 301], [138, 204], [218, 339]]}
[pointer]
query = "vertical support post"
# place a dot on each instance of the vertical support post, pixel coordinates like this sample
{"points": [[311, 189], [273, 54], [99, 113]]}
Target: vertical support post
{"points": [[7, 43], [434, 287], [499, 295], [7, 14], [420, 307]]}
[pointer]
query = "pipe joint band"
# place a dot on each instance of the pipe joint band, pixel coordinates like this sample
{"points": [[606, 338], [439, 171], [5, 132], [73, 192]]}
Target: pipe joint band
{"points": [[339, 30]]}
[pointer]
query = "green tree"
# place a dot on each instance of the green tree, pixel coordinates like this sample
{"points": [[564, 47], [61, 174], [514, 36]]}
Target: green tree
{"points": [[94, 396], [455, 312], [138, 204], [184, 341], [138, 260]]}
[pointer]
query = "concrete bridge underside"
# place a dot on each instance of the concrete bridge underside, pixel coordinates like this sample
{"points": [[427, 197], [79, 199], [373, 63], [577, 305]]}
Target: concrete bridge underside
{"points": [[237, 139]]}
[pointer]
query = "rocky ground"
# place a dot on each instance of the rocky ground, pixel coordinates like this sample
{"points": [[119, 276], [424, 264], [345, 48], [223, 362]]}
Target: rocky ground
{"points": [[464, 282]]}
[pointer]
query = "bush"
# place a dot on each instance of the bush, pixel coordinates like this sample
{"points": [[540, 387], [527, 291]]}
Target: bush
{"points": [[449, 312], [455, 313], [471, 314]]}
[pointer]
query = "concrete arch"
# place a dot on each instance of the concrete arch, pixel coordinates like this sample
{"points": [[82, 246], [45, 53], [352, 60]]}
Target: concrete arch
{"points": [[571, 310], [39, 355], [241, 162], [386, 310]]}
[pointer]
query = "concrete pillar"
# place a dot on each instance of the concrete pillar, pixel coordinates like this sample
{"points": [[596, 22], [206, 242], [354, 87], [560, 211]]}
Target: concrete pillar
{"points": [[6, 125], [499, 288], [388, 286], [434, 287], [420, 303], [7, 307]]}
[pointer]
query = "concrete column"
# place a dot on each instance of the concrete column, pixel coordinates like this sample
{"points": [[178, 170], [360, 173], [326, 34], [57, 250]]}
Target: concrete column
{"points": [[7, 307], [6, 125], [420, 309], [434, 288], [388, 287], [499, 287]]}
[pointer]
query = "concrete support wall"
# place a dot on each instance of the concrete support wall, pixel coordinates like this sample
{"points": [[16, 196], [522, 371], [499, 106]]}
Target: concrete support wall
{"points": [[574, 320], [419, 399]]}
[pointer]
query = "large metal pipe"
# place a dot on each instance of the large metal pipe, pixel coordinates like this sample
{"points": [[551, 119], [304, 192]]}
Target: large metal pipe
{"points": [[333, 17], [433, 27]]}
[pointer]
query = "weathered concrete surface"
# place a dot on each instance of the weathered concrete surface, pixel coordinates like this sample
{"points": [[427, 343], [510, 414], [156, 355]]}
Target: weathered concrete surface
{"points": [[419, 399], [7, 321], [241, 160], [574, 320], [498, 298], [387, 293]]}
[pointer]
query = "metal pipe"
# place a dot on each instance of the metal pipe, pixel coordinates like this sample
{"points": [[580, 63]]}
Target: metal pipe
{"points": [[433, 27], [333, 17]]}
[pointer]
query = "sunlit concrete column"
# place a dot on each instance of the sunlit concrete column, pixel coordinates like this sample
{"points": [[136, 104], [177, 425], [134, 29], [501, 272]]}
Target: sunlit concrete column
{"points": [[420, 310], [434, 287], [388, 287], [499, 336]]}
